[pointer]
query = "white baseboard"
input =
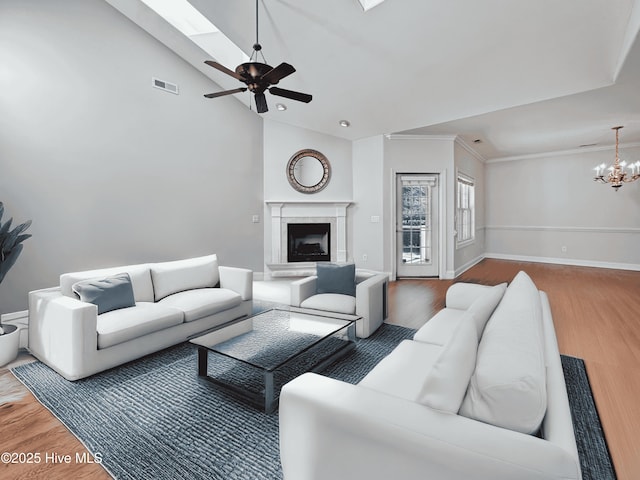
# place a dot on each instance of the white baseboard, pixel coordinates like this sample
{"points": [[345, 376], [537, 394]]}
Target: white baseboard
{"points": [[468, 265], [448, 275], [565, 261], [6, 317], [258, 276]]}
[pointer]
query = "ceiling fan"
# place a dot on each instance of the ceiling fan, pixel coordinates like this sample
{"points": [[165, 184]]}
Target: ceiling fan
{"points": [[259, 77]]}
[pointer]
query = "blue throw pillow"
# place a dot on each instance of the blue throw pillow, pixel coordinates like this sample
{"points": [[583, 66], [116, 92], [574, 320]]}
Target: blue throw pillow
{"points": [[108, 294], [334, 278]]}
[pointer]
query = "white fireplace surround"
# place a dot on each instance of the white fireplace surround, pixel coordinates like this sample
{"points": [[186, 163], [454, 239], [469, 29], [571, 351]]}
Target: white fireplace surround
{"points": [[283, 213]]}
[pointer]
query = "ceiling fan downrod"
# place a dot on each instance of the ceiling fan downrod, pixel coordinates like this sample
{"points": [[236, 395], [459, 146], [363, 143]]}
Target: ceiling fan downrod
{"points": [[256, 46]]}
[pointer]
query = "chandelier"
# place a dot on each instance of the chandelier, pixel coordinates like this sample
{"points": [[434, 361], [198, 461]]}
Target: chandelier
{"points": [[617, 175]]}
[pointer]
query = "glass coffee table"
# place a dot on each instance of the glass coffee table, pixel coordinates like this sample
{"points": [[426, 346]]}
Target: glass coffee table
{"points": [[255, 357]]}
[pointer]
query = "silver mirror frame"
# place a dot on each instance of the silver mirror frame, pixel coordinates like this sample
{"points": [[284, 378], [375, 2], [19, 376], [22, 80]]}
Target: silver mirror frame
{"points": [[326, 167]]}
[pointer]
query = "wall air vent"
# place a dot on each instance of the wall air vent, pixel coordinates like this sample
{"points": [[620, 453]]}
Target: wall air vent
{"points": [[166, 86]]}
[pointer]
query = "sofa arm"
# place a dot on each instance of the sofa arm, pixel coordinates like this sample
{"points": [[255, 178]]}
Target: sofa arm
{"points": [[370, 303], [237, 279], [461, 295], [303, 289], [62, 331], [333, 430]]}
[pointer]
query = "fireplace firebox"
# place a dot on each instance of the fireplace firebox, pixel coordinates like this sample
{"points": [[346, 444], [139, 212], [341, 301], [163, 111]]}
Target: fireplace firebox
{"points": [[309, 242]]}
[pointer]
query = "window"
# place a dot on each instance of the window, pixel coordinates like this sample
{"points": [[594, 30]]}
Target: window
{"points": [[465, 210]]}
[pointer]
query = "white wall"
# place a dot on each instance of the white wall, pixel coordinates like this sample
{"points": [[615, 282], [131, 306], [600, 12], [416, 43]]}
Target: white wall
{"points": [[470, 165], [368, 183], [111, 170], [418, 155], [281, 142], [538, 205]]}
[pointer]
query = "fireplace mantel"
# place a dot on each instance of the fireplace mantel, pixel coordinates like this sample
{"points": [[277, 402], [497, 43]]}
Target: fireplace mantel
{"points": [[283, 213]]}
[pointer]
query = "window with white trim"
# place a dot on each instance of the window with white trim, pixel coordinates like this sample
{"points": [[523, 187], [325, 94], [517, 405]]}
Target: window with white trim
{"points": [[465, 210]]}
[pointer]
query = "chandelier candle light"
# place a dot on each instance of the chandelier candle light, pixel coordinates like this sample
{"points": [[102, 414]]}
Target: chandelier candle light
{"points": [[617, 175]]}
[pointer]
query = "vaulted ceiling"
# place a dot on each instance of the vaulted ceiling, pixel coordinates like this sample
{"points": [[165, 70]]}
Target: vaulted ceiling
{"points": [[524, 77]]}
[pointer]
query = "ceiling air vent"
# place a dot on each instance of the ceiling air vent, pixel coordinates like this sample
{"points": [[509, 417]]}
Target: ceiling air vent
{"points": [[166, 86]]}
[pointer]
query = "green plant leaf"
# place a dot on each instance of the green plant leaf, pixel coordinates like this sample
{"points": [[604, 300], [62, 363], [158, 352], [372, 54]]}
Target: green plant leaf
{"points": [[10, 240], [8, 261], [4, 229], [22, 238]]}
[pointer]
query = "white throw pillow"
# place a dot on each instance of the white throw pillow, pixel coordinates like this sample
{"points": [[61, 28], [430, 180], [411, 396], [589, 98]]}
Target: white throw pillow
{"points": [[181, 275], [483, 306], [447, 381], [508, 387]]}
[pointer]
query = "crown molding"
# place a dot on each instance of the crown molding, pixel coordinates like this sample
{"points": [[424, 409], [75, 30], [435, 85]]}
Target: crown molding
{"points": [[559, 153], [460, 141], [401, 136]]}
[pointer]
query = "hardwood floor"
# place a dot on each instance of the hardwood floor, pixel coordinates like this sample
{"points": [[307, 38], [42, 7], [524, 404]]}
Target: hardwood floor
{"points": [[596, 314]]}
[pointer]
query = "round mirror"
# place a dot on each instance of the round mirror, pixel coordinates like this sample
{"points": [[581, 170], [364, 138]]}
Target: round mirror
{"points": [[308, 171]]}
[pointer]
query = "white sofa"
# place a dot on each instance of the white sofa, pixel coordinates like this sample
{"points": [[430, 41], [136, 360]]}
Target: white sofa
{"points": [[370, 301], [173, 301], [460, 401]]}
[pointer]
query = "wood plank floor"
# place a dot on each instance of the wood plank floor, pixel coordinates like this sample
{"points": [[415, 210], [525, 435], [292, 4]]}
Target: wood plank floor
{"points": [[596, 314]]}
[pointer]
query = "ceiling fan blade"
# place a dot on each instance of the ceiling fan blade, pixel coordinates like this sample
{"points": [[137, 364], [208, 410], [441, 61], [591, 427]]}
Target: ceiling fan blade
{"points": [[261, 103], [274, 75], [226, 92], [300, 97], [223, 69]]}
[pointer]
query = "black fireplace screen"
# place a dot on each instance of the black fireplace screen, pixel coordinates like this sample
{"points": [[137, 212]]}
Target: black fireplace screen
{"points": [[309, 242]]}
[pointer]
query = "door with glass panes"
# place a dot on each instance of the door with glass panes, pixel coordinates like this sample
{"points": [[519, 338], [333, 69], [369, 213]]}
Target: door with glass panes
{"points": [[417, 225]]}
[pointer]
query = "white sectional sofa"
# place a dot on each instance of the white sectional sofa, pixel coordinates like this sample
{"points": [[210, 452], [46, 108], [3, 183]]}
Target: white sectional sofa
{"points": [[477, 394], [171, 302]]}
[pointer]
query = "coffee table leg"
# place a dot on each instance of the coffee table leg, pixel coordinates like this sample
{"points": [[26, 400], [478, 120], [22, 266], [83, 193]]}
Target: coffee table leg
{"points": [[202, 361], [269, 400], [351, 332]]}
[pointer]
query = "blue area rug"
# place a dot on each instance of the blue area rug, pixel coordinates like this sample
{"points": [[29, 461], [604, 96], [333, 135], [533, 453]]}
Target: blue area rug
{"points": [[153, 418], [595, 460]]}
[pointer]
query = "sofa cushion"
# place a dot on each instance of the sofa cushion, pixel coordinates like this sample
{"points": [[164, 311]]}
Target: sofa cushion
{"points": [[448, 378], [110, 293], [439, 329], [202, 302], [333, 278], [139, 274], [508, 387], [119, 326], [402, 373], [181, 275], [331, 302], [483, 306]]}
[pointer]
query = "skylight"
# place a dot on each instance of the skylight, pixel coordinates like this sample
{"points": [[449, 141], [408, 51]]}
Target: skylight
{"points": [[369, 4], [195, 26]]}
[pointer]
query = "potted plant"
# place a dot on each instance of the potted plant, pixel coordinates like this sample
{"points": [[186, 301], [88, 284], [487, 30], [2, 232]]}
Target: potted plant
{"points": [[10, 248]]}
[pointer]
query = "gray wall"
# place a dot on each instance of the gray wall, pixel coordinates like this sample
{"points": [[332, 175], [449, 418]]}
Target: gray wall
{"points": [[368, 184], [111, 170], [470, 165], [420, 155], [536, 206]]}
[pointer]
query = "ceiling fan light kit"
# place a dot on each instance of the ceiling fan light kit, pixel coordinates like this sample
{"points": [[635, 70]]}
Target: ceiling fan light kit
{"points": [[259, 78], [617, 174]]}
